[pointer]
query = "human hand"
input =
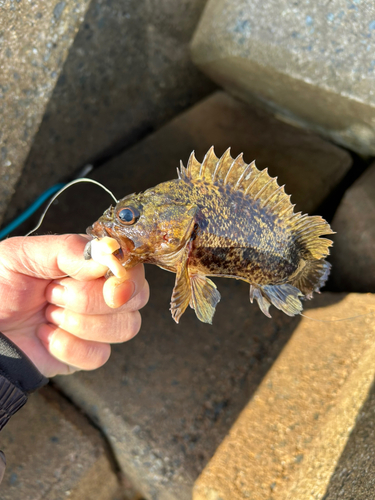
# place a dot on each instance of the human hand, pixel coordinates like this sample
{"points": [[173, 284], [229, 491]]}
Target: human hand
{"points": [[65, 323]]}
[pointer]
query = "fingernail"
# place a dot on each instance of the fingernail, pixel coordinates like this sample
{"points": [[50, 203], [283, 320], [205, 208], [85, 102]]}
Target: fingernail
{"points": [[127, 287], [58, 295], [57, 316]]}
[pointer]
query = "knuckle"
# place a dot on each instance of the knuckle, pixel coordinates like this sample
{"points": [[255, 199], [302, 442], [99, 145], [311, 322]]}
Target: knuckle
{"points": [[97, 354], [72, 322], [127, 326], [61, 346], [78, 296], [139, 300], [134, 324]]}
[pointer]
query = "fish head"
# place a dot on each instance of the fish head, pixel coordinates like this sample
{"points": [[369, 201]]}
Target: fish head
{"points": [[148, 226]]}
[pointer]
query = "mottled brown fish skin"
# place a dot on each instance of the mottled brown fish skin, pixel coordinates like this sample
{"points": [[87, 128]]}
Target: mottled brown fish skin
{"points": [[222, 218], [234, 237]]}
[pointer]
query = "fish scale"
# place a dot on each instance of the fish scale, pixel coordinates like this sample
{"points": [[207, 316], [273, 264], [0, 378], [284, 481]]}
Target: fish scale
{"points": [[224, 218]]}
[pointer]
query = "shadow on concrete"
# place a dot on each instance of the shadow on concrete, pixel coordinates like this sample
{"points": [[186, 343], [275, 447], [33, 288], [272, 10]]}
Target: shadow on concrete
{"points": [[354, 476]]}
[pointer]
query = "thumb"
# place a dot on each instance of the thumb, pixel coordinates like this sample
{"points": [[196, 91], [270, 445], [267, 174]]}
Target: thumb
{"points": [[49, 257]]}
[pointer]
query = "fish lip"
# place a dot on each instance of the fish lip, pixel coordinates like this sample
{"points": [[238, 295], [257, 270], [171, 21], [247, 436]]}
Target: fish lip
{"points": [[99, 230]]}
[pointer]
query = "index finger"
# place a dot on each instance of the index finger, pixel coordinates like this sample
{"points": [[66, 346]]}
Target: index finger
{"points": [[86, 297], [50, 257]]}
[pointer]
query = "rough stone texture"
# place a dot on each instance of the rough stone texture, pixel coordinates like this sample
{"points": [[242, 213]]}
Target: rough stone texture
{"points": [[353, 254], [354, 477], [128, 72], [54, 453], [34, 41], [287, 441], [311, 62]]}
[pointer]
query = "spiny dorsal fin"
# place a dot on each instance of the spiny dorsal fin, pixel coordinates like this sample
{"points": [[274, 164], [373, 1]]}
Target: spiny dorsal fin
{"points": [[234, 172], [208, 165], [260, 187]]}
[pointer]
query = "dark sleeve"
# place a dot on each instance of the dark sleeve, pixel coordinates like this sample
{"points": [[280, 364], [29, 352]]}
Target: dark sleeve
{"points": [[18, 377]]}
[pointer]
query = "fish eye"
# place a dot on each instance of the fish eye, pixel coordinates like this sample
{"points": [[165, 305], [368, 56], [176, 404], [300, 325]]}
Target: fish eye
{"points": [[128, 215]]}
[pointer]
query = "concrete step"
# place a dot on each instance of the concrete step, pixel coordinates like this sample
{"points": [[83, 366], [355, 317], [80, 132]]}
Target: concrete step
{"points": [[310, 62], [53, 452], [286, 443]]}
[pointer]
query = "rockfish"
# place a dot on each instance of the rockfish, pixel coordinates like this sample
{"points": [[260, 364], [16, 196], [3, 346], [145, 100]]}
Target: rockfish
{"points": [[222, 218]]}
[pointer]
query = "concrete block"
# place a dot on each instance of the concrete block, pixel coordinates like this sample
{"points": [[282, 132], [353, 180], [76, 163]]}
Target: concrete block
{"points": [[288, 440], [54, 453], [127, 73], [353, 255], [310, 62], [34, 41]]}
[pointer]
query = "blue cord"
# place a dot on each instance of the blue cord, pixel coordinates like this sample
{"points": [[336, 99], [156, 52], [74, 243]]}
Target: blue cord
{"points": [[29, 211]]}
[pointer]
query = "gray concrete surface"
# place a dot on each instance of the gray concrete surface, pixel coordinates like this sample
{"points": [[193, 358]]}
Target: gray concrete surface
{"points": [[127, 73], [311, 62], [53, 453], [34, 41], [354, 477], [353, 256]]}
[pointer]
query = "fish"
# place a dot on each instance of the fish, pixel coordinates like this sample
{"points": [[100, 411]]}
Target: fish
{"points": [[222, 218]]}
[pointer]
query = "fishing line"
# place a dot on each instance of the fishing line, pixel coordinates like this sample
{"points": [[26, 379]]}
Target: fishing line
{"points": [[339, 319], [76, 181], [69, 184]]}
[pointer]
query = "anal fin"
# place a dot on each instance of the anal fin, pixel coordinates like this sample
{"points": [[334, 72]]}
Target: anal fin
{"points": [[284, 297], [204, 297], [263, 303]]}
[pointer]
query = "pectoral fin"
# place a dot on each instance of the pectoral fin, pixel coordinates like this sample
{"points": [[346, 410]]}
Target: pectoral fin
{"points": [[194, 289], [181, 292], [204, 297]]}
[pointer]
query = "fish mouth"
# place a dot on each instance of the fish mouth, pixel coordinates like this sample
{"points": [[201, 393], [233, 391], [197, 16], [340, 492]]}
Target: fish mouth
{"points": [[100, 230]]}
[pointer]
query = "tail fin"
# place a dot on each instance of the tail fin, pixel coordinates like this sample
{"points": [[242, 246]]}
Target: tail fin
{"points": [[307, 231], [312, 277]]}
